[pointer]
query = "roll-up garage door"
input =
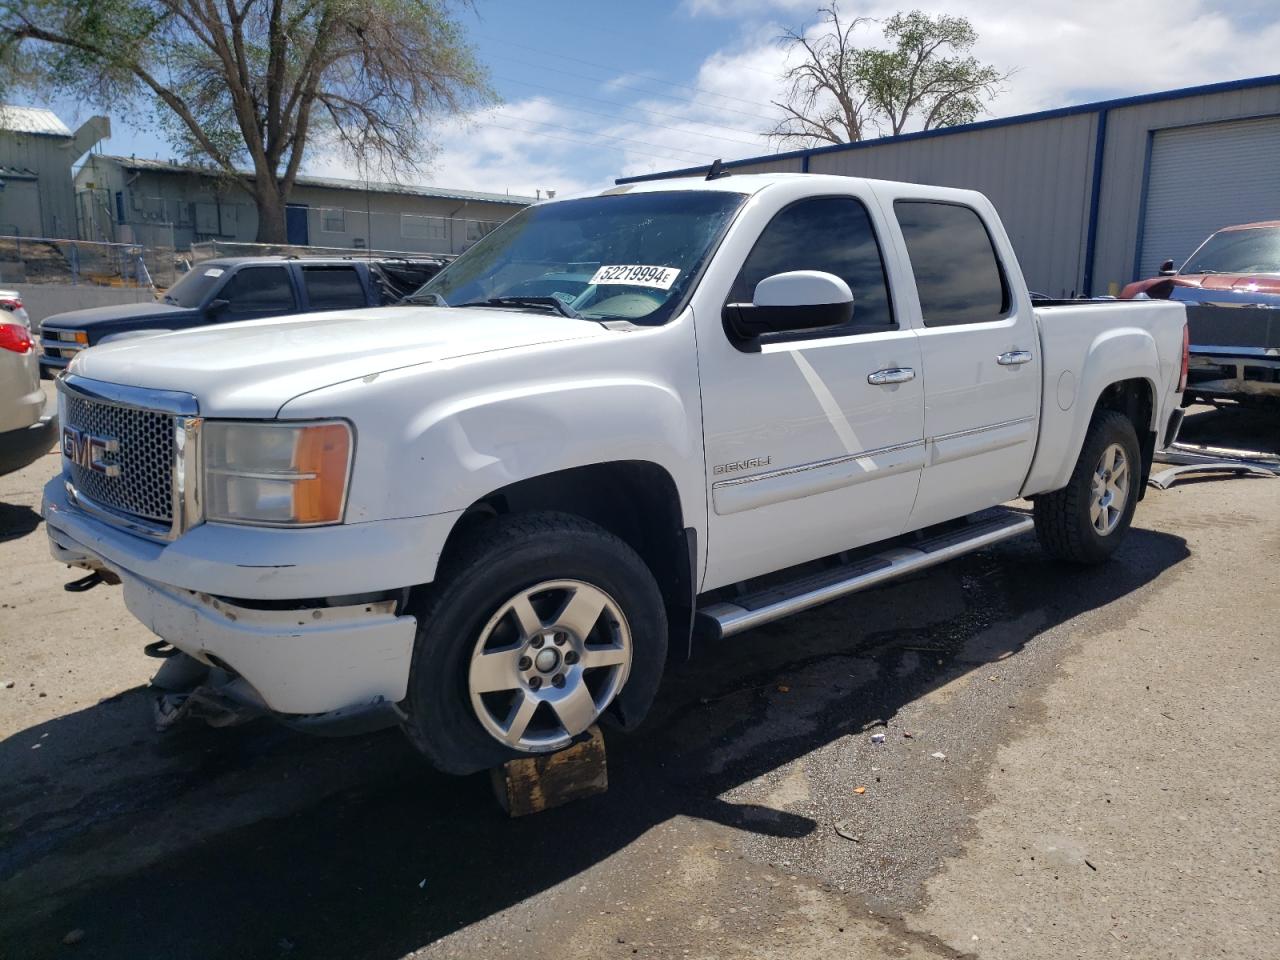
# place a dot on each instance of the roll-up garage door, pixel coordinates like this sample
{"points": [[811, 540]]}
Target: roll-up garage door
{"points": [[1206, 177]]}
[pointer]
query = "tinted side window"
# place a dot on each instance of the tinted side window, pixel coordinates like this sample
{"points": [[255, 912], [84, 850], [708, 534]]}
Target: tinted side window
{"points": [[957, 273], [332, 288], [832, 234], [259, 288]]}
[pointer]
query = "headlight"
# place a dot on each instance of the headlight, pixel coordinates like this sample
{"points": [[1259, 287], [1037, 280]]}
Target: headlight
{"points": [[277, 474]]}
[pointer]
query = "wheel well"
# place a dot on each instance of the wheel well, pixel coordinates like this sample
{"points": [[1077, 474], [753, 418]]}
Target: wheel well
{"points": [[635, 500], [1136, 400]]}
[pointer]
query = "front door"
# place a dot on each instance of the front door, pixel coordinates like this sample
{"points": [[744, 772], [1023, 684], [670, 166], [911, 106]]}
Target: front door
{"points": [[806, 454], [980, 352]]}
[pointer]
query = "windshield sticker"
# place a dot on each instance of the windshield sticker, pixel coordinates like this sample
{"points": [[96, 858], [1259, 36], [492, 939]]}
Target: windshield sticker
{"points": [[213, 272], [637, 275]]}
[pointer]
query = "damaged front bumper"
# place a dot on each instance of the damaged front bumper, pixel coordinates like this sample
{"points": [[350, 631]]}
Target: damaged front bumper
{"points": [[324, 665]]}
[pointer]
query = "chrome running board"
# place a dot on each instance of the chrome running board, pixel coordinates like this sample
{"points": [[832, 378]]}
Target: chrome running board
{"points": [[728, 617]]}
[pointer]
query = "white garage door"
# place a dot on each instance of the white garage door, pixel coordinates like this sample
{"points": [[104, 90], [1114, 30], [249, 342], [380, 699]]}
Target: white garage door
{"points": [[1206, 177]]}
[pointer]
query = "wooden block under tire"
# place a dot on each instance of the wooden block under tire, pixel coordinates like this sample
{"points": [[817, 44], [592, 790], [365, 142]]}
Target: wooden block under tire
{"points": [[533, 784]]}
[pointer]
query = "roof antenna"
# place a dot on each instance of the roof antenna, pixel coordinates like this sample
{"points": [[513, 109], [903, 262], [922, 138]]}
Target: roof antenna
{"points": [[717, 170]]}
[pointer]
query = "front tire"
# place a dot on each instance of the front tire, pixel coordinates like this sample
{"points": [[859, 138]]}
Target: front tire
{"points": [[1086, 520], [527, 637]]}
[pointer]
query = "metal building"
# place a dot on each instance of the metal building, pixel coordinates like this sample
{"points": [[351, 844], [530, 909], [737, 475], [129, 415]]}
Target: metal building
{"points": [[168, 205], [37, 151], [1096, 195]]}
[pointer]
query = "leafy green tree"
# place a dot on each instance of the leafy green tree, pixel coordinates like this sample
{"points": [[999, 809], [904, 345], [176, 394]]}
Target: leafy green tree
{"points": [[253, 83], [925, 78]]}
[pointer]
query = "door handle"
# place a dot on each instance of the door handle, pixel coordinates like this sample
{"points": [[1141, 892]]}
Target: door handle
{"points": [[891, 375], [1014, 358]]}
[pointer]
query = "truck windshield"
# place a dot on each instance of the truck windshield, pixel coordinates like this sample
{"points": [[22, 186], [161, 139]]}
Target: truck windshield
{"points": [[190, 291], [621, 257], [1255, 250]]}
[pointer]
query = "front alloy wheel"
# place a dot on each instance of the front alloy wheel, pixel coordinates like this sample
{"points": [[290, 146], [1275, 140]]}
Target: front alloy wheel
{"points": [[548, 663]]}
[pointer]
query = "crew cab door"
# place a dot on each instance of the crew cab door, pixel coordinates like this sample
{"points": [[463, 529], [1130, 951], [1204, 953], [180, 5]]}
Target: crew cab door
{"points": [[979, 348], [257, 291], [805, 454]]}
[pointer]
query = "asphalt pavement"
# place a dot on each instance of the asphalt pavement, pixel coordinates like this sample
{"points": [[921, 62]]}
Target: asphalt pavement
{"points": [[1074, 763]]}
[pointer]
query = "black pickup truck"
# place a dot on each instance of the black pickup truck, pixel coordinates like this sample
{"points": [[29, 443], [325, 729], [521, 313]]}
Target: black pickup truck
{"points": [[238, 288]]}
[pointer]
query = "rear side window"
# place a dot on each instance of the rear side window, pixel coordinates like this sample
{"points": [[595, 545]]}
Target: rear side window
{"points": [[957, 273], [333, 288], [831, 234], [259, 288]]}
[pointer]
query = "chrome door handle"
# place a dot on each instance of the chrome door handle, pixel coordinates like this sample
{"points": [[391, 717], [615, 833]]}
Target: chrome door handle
{"points": [[891, 375], [1013, 358]]}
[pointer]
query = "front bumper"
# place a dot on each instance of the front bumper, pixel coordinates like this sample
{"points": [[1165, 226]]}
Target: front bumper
{"points": [[204, 593], [310, 659], [1234, 372]]}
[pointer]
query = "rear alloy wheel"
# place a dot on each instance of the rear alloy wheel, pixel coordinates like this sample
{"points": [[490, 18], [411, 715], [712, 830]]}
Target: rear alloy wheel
{"points": [[1110, 490], [1085, 521], [548, 663]]}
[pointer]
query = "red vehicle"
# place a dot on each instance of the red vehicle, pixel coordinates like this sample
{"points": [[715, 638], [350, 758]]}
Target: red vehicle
{"points": [[1231, 286]]}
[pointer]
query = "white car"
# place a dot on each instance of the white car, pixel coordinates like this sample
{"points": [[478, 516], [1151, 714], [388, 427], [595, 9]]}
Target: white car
{"points": [[11, 304], [28, 423], [678, 407]]}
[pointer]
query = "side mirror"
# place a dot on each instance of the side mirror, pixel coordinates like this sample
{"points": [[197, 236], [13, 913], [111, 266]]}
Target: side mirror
{"points": [[788, 302], [1167, 269], [216, 307]]}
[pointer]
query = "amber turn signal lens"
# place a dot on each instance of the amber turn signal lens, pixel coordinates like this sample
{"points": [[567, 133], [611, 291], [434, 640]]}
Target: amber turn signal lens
{"points": [[321, 459]]}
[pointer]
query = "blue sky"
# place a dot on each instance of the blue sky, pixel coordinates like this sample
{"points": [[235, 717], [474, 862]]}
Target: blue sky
{"points": [[596, 90]]}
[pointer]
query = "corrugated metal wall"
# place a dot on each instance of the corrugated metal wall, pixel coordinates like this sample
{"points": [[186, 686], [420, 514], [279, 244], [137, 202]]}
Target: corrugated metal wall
{"points": [[47, 157], [1038, 172], [1129, 131]]}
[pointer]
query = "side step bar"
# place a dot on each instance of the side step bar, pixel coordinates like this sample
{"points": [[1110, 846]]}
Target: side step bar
{"points": [[743, 613]]}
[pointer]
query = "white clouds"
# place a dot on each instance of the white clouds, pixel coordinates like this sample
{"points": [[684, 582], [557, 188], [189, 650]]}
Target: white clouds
{"points": [[1062, 54]]}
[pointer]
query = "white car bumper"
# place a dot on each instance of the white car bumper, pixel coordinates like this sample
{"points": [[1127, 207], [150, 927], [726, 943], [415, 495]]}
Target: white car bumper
{"points": [[301, 655]]}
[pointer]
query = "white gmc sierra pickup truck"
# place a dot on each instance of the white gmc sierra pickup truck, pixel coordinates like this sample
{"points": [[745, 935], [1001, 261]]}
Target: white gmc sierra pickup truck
{"points": [[620, 420]]}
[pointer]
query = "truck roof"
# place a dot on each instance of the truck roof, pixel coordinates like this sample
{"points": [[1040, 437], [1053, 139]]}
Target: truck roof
{"points": [[312, 261], [752, 183]]}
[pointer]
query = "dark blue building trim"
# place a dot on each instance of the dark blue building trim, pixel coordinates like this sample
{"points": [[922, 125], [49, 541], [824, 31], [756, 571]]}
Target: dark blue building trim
{"points": [[1097, 107], [1095, 196]]}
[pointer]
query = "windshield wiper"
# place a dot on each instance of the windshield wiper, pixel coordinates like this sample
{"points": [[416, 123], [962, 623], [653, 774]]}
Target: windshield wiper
{"points": [[555, 303], [433, 299]]}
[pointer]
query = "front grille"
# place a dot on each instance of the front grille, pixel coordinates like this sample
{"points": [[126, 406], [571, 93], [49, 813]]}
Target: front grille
{"points": [[145, 456]]}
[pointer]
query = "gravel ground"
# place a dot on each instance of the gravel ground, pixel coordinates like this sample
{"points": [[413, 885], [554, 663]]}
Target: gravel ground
{"points": [[1074, 764]]}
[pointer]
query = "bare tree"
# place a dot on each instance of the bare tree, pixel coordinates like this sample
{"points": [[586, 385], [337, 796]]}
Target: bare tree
{"points": [[254, 82], [824, 100], [925, 78]]}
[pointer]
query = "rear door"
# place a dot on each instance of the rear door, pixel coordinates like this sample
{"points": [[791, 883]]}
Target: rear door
{"points": [[979, 351], [258, 291], [333, 287]]}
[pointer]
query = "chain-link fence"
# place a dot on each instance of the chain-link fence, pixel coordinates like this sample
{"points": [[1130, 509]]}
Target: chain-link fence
{"points": [[50, 260]]}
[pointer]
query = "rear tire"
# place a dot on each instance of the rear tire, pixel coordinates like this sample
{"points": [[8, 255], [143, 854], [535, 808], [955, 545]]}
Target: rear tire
{"points": [[527, 636], [1086, 520]]}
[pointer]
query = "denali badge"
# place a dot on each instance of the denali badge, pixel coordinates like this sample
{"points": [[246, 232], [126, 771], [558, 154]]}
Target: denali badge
{"points": [[741, 465], [87, 451]]}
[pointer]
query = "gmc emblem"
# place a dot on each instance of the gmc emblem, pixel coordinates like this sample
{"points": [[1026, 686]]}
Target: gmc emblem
{"points": [[87, 451]]}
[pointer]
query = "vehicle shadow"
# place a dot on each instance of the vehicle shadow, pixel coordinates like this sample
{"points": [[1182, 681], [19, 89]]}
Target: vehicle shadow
{"points": [[16, 521], [1239, 428], [397, 856]]}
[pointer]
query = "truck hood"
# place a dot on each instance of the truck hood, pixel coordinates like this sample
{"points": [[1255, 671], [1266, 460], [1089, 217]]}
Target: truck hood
{"points": [[116, 314], [253, 368]]}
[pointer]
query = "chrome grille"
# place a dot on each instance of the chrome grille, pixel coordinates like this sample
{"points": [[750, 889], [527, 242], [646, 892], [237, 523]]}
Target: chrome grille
{"points": [[144, 486]]}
